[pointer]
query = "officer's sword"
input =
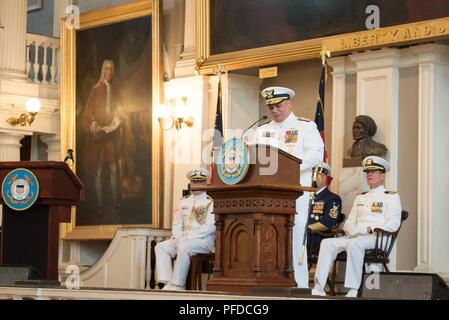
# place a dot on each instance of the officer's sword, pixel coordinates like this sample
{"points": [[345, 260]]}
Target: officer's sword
{"points": [[311, 199]]}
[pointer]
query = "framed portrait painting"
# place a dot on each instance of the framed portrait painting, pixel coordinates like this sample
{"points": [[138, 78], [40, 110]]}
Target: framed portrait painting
{"points": [[283, 31], [111, 87]]}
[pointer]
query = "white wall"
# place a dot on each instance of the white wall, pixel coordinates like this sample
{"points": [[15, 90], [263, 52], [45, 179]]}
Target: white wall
{"points": [[408, 166], [440, 220]]}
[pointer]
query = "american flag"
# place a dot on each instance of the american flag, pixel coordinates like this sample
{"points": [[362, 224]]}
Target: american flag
{"points": [[218, 132], [319, 115]]}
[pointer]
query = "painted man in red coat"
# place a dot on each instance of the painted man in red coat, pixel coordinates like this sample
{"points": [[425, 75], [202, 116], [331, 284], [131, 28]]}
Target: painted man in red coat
{"points": [[101, 121]]}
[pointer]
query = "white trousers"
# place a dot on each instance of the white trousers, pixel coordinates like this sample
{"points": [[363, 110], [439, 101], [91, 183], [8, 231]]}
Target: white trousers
{"points": [[355, 249], [166, 250], [301, 270]]}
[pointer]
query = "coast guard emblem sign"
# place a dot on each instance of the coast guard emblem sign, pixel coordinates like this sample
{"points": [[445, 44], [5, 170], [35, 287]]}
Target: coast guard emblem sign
{"points": [[233, 161], [20, 189]]}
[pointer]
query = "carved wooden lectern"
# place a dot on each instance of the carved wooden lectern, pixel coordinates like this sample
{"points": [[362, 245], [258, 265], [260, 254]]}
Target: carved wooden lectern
{"points": [[254, 221], [31, 237]]}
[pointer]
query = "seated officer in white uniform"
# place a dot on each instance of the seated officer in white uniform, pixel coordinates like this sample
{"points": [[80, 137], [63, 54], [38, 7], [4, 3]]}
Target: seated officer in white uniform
{"points": [[193, 232], [300, 138], [376, 208]]}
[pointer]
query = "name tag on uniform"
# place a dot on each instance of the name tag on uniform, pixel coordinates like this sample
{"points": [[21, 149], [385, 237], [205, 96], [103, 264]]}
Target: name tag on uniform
{"points": [[291, 136]]}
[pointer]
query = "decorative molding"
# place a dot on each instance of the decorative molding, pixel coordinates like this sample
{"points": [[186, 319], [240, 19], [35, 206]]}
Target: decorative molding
{"points": [[249, 204], [397, 35], [90, 20]]}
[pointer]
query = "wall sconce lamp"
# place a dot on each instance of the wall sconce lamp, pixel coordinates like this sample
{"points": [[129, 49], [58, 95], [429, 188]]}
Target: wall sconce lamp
{"points": [[33, 106], [175, 113]]}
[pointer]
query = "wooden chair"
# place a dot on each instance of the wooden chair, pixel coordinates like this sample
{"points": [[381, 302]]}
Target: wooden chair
{"points": [[199, 263], [314, 239], [385, 241]]}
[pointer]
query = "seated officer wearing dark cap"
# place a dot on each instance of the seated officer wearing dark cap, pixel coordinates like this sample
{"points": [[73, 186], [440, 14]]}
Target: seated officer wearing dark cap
{"points": [[377, 208], [326, 207]]}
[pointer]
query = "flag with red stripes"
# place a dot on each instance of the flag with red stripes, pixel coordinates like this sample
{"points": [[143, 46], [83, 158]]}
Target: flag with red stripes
{"points": [[319, 115], [218, 130]]}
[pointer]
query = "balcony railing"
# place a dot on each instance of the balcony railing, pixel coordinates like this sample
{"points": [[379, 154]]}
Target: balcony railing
{"points": [[42, 59]]}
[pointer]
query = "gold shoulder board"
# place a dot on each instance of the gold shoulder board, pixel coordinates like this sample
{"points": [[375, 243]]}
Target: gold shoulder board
{"points": [[304, 119]]}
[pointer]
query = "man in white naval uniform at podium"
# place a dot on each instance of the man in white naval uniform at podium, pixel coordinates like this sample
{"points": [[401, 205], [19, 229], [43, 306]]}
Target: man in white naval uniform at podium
{"points": [[300, 138], [193, 232]]}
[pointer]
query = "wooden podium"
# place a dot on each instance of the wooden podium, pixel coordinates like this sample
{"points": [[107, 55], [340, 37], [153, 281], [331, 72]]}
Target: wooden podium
{"points": [[31, 237], [254, 224]]}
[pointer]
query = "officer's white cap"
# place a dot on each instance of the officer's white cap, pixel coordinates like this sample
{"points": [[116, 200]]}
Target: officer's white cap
{"points": [[200, 174], [274, 95], [324, 168], [373, 163]]}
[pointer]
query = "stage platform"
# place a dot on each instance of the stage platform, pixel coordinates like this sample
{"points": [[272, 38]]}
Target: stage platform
{"points": [[42, 293], [377, 286]]}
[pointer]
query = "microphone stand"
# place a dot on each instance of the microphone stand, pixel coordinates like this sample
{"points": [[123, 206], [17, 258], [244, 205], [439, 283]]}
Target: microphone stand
{"points": [[261, 119]]}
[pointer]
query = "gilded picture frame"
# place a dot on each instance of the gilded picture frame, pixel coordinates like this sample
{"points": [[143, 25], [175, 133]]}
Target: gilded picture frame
{"points": [[207, 63], [120, 20]]}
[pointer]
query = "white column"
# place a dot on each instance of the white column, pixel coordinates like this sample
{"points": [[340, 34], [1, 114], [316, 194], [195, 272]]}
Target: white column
{"points": [[10, 146], [53, 143], [183, 149], [185, 66], [13, 17], [338, 117], [378, 97], [433, 179], [242, 103]]}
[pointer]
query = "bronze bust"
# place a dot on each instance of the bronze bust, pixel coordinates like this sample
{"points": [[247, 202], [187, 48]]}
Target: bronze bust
{"points": [[363, 130]]}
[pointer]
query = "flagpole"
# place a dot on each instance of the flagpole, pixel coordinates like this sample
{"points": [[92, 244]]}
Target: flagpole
{"points": [[319, 120], [218, 129]]}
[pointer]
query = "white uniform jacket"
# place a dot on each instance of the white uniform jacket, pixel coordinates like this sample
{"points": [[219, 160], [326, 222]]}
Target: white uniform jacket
{"points": [[377, 208], [299, 138], [194, 219]]}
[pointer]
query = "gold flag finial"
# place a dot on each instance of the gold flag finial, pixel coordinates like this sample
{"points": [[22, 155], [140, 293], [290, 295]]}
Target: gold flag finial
{"points": [[220, 70], [324, 54]]}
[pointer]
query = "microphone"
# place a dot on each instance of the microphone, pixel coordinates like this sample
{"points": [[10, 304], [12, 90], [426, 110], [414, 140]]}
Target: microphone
{"points": [[69, 157], [261, 119]]}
